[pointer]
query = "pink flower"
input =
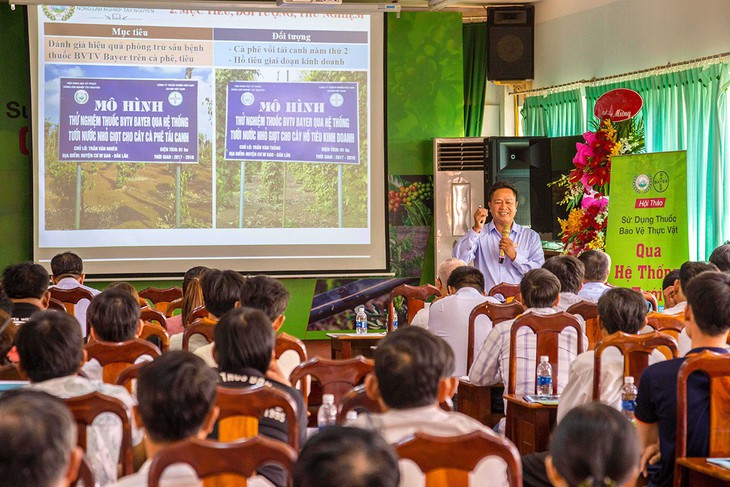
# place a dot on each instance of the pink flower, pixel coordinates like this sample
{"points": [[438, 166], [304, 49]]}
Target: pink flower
{"points": [[594, 200], [583, 153]]}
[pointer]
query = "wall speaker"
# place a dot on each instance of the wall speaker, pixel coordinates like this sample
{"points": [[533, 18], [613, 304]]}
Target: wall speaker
{"points": [[511, 33]]}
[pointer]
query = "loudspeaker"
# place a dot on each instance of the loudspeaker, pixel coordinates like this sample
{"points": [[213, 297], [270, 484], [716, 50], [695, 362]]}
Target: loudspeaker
{"points": [[511, 33]]}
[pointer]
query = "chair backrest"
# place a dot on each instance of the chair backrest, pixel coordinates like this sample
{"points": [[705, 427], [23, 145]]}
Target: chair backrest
{"points": [[589, 312], [152, 330], [161, 298], [252, 402], [129, 374], [497, 313], [70, 297], [635, 350], [87, 407], [334, 376], [115, 357], [196, 313], [506, 289], [201, 326], [56, 304], [669, 324], [151, 315], [174, 304], [459, 455], [85, 477], [650, 298], [289, 351], [209, 458], [547, 329], [356, 400], [416, 297]]}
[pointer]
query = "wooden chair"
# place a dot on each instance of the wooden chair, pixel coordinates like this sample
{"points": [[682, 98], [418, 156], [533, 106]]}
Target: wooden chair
{"points": [[161, 298], [356, 400], [174, 305], [115, 357], [651, 299], [152, 330], [70, 297], [288, 343], [497, 313], [251, 403], [415, 296], [696, 470], [128, 375], [211, 458], [447, 460], [56, 304], [151, 315], [671, 325], [505, 289], [635, 350], [85, 477], [201, 326], [589, 312], [197, 313], [87, 407]]}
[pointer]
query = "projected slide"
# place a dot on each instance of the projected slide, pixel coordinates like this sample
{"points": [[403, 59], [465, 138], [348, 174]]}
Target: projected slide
{"points": [[175, 136]]}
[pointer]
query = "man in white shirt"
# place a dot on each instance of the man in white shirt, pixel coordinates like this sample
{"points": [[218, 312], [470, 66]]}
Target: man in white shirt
{"points": [[443, 272], [449, 317], [687, 272], [569, 271], [597, 266], [68, 273], [413, 374]]}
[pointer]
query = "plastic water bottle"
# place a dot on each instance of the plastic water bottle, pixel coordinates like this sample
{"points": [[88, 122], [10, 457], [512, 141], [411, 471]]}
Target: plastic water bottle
{"points": [[361, 321], [327, 414], [544, 377], [351, 415], [395, 321], [628, 399]]}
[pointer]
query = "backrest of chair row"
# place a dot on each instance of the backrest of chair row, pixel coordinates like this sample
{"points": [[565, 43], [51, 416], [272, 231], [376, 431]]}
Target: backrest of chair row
{"points": [[334, 376], [497, 313], [161, 298], [416, 297]]}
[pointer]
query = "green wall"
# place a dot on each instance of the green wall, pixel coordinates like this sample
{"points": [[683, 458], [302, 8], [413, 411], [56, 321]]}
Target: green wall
{"points": [[424, 100]]}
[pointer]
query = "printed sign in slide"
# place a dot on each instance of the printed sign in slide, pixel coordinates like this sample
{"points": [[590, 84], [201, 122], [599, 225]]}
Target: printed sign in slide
{"points": [[128, 120], [304, 122]]}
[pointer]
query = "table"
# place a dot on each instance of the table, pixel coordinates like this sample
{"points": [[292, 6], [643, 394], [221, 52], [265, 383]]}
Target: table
{"points": [[529, 424], [476, 402], [698, 471], [348, 345]]}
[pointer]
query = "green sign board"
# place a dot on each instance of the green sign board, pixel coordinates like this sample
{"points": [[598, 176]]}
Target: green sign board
{"points": [[647, 233]]}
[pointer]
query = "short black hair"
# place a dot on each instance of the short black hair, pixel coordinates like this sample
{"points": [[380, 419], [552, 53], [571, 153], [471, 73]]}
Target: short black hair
{"points": [[539, 288], [708, 295], [244, 339], [25, 280], [38, 435], [502, 184], [176, 391], [669, 278], [67, 264], [569, 271], [409, 363], [114, 315], [265, 294], [50, 345], [690, 270], [595, 265], [594, 445], [622, 309], [221, 290], [466, 276], [721, 257], [339, 456]]}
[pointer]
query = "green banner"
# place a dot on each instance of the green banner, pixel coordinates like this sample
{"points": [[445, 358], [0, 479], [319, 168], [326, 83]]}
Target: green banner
{"points": [[647, 233]]}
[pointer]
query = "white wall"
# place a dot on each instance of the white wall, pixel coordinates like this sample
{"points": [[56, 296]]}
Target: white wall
{"points": [[582, 39]]}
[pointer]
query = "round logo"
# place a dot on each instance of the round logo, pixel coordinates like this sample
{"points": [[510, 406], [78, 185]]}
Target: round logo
{"points": [[661, 181], [57, 12], [175, 98], [247, 98], [642, 183], [81, 97], [336, 99]]}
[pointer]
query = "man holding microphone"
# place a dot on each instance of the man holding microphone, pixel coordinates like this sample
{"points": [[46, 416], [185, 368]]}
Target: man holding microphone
{"points": [[503, 250]]}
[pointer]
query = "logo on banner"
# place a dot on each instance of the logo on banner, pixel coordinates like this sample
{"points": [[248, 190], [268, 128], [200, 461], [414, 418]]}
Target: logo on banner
{"points": [[247, 98], [57, 12], [642, 183], [661, 181], [81, 97]]}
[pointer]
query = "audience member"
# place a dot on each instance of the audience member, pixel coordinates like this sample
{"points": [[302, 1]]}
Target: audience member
{"points": [[26, 285], [192, 298], [448, 318], [594, 446], [244, 345], [597, 266], [129, 289], [443, 272], [570, 272], [708, 320], [668, 288], [687, 272], [68, 273], [413, 374], [721, 257], [50, 347], [346, 457], [38, 435]]}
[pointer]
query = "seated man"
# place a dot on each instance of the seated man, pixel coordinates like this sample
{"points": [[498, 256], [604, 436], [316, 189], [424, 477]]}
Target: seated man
{"points": [[68, 273], [346, 457], [443, 272], [114, 316], [26, 285], [597, 266], [449, 317], [51, 354], [687, 272], [708, 320], [244, 345], [721, 257], [570, 272], [38, 435], [413, 374]]}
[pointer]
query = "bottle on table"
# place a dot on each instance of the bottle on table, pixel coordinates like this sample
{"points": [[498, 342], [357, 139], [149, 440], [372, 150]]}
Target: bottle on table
{"points": [[361, 321], [544, 377], [628, 399], [327, 414], [395, 320]]}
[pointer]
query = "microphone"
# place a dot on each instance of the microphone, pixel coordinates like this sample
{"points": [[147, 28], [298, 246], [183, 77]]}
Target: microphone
{"points": [[505, 234]]}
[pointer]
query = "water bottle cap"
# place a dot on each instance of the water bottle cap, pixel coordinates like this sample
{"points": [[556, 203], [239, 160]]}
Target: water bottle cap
{"points": [[359, 309], [544, 358], [328, 399], [351, 415], [628, 380]]}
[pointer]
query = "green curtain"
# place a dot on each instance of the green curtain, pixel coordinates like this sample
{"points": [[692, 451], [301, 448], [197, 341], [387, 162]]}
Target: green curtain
{"points": [[687, 110], [475, 76], [554, 115]]}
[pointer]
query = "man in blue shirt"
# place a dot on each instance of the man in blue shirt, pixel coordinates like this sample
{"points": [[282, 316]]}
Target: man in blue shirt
{"points": [[708, 320], [519, 249]]}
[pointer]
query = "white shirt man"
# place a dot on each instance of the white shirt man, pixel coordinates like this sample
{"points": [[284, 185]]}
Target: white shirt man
{"points": [[80, 307]]}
